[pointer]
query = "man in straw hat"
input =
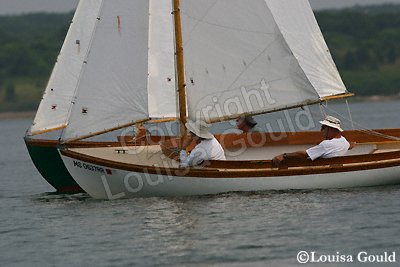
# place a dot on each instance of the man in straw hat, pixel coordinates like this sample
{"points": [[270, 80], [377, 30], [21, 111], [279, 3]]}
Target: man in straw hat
{"points": [[334, 145], [207, 147]]}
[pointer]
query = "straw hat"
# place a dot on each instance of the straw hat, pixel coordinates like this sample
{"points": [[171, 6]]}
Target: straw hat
{"points": [[200, 129], [332, 122]]}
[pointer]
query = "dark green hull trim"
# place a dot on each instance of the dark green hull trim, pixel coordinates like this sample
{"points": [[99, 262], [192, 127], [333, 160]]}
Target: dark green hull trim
{"points": [[48, 162]]}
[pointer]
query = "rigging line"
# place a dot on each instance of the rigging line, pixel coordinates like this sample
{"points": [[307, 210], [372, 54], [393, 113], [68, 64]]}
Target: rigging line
{"points": [[245, 86], [227, 27], [147, 136], [374, 133], [251, 63], [345, 118], [149, 154], [351, 118], [198, 21], [321, 109], [247, 67], [363, 129], [173, 150]]}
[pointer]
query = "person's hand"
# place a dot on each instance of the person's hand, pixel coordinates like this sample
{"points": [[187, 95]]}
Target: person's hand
{"points": [[352, 145], [278, 159]]}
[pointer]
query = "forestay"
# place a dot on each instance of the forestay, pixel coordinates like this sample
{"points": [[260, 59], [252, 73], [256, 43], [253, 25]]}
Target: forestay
{"points": [[252, 57], [53, 109], [112, 90]]}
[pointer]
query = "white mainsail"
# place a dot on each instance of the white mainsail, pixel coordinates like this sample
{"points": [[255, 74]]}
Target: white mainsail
{"points": [[304, 37], [55, 104], [241, 57], [254, 56]]}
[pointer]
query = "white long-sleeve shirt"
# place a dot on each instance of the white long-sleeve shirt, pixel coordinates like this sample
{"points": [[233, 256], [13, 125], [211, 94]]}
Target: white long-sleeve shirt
{"points": [[209, 149], [335, 147]]}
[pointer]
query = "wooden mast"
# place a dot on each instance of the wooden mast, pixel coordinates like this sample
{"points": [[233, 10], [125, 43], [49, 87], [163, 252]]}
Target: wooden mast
{"points": [[180, 66]]}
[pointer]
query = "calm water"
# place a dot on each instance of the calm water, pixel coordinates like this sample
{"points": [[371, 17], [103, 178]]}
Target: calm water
{"points": [[38, 228]]}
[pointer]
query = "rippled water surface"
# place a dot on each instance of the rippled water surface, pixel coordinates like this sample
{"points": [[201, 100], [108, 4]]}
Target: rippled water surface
{"points": [[40, 228]]}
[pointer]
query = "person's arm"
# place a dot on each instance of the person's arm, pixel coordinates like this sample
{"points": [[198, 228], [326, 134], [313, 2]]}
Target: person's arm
{"points": [[184, 159], [294, 155], [183, 156], [196, 157]]}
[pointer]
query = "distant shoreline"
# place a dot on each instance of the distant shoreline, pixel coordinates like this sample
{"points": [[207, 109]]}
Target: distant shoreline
{"points": [[31, 114], [17, 115], [377, 98]]}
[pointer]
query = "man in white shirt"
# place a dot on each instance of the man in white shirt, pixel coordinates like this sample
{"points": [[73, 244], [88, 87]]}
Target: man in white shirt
{"points": [[207, 147], [334, 145]]}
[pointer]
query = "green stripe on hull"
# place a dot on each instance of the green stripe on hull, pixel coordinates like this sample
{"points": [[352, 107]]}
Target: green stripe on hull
{"points": [[50, 165]]}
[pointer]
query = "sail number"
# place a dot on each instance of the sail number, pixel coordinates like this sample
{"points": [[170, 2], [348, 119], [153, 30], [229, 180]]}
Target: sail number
{"points": [[88, 167]]}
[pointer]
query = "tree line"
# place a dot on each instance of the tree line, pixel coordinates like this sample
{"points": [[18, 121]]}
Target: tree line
{"points": [[364, 42], [29, 45]]}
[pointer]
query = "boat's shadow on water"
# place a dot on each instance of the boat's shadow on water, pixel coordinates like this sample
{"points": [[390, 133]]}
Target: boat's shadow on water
{"points": [[58, 197], [356, 190], [83, 197], [267, 193]]}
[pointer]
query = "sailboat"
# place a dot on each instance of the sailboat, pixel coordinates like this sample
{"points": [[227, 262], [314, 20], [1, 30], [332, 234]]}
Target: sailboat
{"points": [[42, 138], [232, 58]]}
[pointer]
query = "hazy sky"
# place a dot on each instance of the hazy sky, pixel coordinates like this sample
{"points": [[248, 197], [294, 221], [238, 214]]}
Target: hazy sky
{"points": [[24, 6]]}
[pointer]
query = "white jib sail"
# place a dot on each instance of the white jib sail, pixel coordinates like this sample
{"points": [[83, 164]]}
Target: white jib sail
{"points": [[161, 84], [112, 90], [55, 104], [239, 58]]}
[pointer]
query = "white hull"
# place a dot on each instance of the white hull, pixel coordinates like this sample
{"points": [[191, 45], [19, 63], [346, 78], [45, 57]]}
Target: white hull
{"points": [[103, 182]]}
